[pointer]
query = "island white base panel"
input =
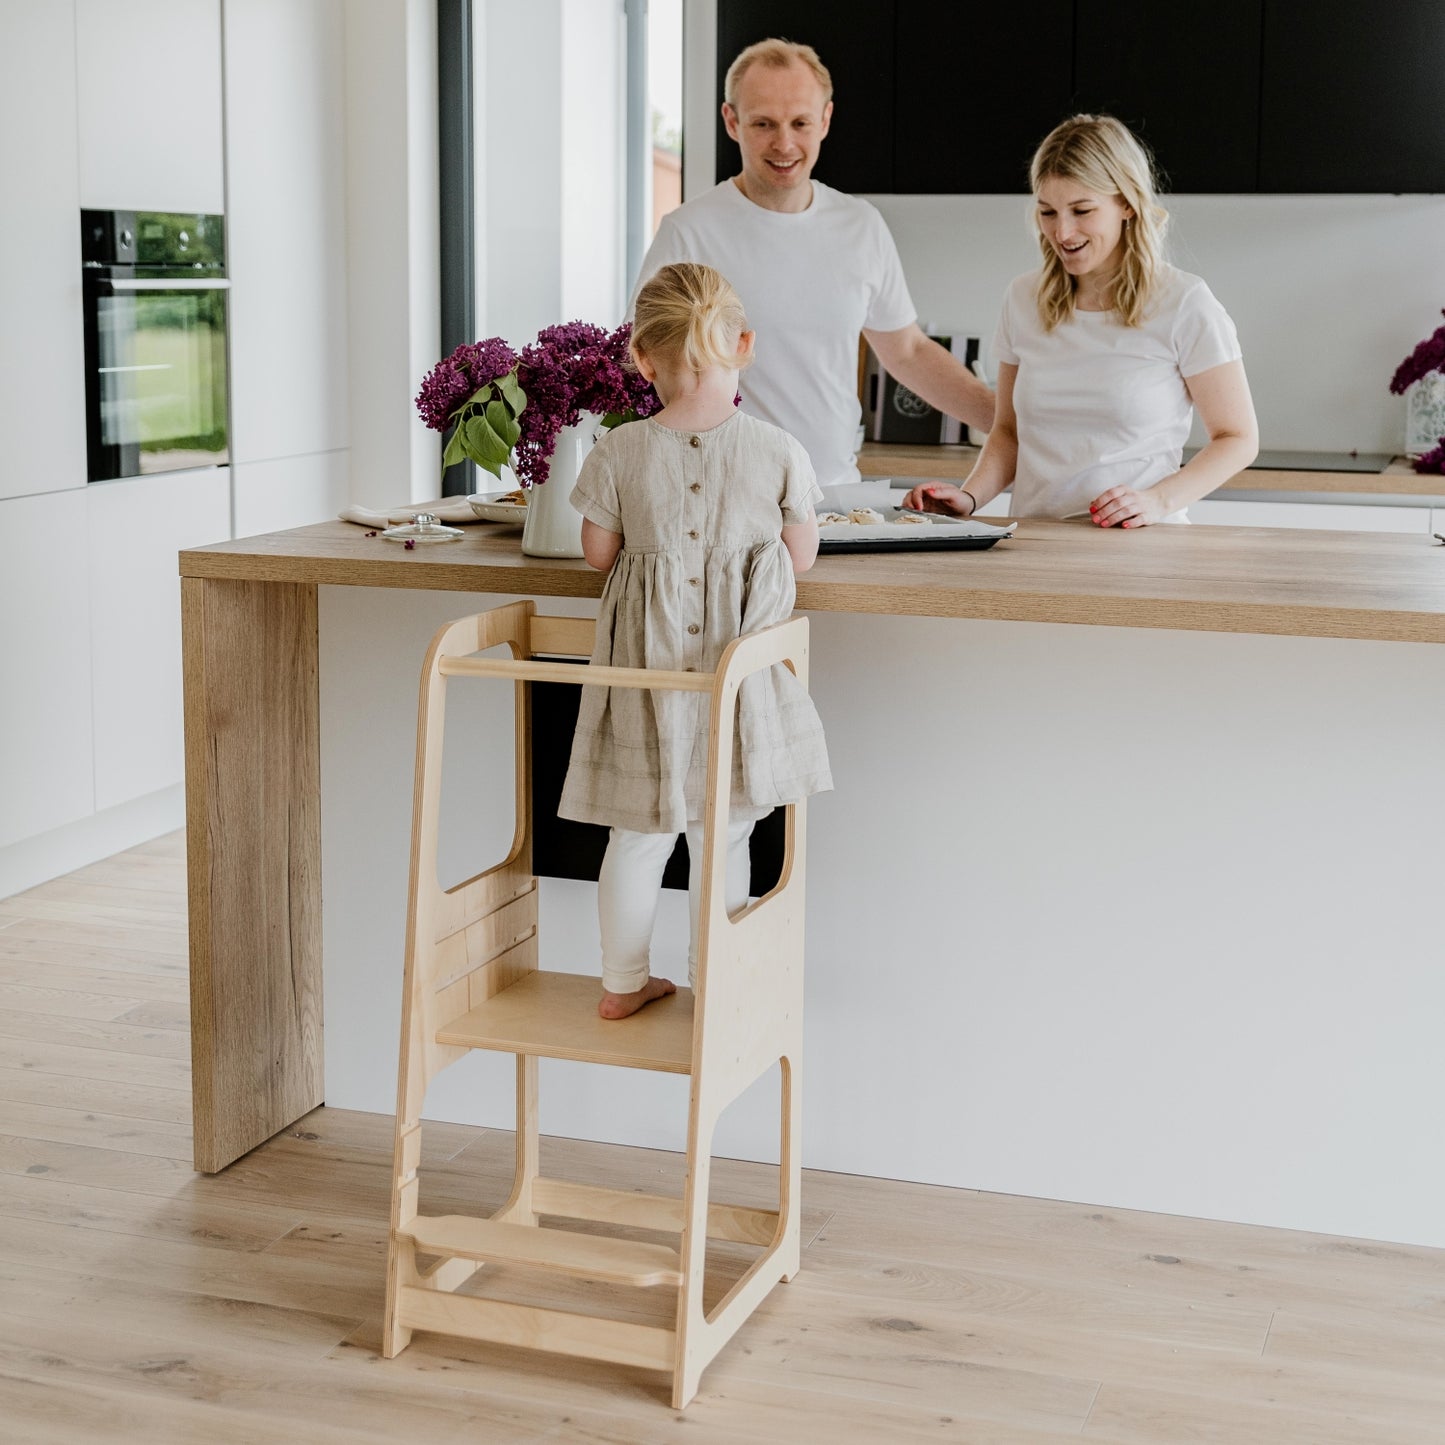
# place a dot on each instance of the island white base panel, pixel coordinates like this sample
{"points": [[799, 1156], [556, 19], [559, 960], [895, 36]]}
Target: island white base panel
{"points": [[1135, 918]]}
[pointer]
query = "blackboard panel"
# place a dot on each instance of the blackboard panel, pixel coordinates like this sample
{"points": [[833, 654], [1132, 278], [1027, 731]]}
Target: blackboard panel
{"points": [[564, 849], [1185, 78]]}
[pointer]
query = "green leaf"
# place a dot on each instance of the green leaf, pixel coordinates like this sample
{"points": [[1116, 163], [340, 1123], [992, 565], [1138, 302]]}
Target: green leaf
{"points": [[485, 447], [456, 448], [480, 396], [500, 421], [513, 394], [615, 418]]}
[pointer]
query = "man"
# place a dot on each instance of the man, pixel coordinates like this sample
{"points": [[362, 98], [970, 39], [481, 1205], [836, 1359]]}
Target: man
{"points": [[814, 267]]}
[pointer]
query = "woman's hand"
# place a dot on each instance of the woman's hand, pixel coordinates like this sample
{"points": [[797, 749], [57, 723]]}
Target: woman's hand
{"points": [[940, 497], [1124, 507]]}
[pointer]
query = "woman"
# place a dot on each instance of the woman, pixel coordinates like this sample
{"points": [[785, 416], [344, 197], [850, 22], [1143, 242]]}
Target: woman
{"points": [[1102, 354]]}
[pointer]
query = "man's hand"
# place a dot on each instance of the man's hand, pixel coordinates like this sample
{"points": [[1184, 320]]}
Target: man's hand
{"points": [[938, 376], [1124, 507]]}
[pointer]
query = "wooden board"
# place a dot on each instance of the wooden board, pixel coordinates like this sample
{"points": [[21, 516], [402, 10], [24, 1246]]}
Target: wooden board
{"points": [[1282, 581], [253, 835]]}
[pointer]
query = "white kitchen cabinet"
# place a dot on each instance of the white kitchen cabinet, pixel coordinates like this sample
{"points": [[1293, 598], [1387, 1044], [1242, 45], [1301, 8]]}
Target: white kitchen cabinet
{"points": [[149, 91], [290, 492], [42, 365], [46, 772], [286, 166], [1327, 516], [136, 528]]}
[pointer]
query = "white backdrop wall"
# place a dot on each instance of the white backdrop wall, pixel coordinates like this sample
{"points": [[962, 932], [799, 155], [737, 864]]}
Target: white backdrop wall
{"points": [[551, 185], [1329, 292]]}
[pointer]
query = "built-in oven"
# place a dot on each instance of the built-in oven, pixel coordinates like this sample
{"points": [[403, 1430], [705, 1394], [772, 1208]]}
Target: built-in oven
{"points": [[155, 342]]}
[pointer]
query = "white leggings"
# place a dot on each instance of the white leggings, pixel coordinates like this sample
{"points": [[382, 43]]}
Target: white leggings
{"points": [[630, 885]]}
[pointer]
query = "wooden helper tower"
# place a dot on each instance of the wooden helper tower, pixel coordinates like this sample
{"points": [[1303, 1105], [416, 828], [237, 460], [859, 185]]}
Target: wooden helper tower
{"points": [[472, 982]]}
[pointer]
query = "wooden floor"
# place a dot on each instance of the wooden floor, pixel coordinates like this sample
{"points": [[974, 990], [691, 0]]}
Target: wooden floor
{"points": [[139, 1301]]}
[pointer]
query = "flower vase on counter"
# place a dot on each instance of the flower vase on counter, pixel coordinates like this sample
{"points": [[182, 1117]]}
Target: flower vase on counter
{"points": [[1425, 414], [1420, 379], [553, 527], [539, 411]]}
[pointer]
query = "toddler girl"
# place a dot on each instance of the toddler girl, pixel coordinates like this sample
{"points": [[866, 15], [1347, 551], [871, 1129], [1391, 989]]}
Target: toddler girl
{"points": [[703, 515]]}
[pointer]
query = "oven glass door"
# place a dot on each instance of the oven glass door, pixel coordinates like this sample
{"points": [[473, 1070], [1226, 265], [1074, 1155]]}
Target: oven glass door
{"points": [[158, 384]]}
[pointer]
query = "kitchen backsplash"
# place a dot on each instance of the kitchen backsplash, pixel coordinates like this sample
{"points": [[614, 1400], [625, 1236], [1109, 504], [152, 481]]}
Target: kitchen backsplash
{"points": [[1328, 292]]}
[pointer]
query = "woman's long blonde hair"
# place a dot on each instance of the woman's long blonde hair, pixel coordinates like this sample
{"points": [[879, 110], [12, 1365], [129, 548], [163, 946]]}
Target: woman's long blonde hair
{"points": [[690, 312], [1103, 154]]}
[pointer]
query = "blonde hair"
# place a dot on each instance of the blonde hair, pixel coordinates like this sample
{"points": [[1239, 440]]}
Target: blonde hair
{"points": [[775, 55], [1103, 154], [690, 312]]}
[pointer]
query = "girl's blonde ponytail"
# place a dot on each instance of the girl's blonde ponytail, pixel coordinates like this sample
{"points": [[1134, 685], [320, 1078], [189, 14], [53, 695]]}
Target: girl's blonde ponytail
{"points": [[690, 312]]}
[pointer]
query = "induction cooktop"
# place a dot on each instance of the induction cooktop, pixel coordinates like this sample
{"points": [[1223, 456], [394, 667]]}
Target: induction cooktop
{"points": [[1314, 461]]}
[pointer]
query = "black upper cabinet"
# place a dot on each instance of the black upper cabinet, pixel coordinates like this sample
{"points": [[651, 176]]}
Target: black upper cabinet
{"points": [[952, 96], [855, 42], [1184, 78], [980, 85], [1352, 96]]}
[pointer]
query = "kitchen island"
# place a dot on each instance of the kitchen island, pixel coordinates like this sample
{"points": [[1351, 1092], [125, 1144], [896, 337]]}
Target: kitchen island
{"points": [[1126, 893]]}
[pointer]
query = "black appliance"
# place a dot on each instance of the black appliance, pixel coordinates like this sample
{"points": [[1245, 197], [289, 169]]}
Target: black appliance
{"points": [[154, 289], [893, 413]]}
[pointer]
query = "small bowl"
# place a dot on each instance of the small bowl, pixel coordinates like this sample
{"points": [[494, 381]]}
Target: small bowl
{"points": [[489, 507]]}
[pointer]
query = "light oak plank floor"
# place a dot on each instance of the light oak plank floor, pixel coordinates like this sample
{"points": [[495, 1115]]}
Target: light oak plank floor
{"points": [[140, 1301]]}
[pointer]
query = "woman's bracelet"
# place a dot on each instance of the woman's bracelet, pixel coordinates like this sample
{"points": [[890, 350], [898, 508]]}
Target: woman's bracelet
{"points": [[971, 498]]}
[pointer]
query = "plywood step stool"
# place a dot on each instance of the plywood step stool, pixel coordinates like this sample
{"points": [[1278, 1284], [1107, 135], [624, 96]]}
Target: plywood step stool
{"points": [[472, 982]]}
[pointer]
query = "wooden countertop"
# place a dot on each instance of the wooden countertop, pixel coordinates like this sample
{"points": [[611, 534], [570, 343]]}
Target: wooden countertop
{"points": [[953, 464], [1383, 586]]}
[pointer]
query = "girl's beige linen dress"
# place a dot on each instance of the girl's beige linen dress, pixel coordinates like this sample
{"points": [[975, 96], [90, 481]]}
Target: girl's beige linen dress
{"points": [[702, 563]]}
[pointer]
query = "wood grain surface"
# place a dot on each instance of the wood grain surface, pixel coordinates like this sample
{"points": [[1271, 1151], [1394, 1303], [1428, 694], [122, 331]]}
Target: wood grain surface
{"points": [[144, 1302], [253, 816], [1282, 581]]}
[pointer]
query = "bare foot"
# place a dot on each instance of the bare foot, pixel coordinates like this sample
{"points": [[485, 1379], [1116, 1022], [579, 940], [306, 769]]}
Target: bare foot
{"points": [[619, 1005]]}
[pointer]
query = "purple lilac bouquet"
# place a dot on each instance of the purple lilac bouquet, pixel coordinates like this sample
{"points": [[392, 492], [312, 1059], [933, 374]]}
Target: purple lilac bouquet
{"points": [[1428, 356], [569, 370], [475, 388]]}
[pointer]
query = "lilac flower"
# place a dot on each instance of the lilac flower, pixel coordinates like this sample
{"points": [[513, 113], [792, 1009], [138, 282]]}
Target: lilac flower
{"points": [[568, 370], [456, 378], [1433, 461], [1428, 356]]}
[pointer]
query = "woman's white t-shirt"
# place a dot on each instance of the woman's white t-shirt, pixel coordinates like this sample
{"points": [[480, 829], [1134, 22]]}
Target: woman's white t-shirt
{"points": [[1100, 404]]}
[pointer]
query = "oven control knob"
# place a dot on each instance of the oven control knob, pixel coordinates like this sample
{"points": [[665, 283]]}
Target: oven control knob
{"points": [[127, 238], [183, 239]]}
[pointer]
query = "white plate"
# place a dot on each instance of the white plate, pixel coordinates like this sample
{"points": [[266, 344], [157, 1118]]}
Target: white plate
{"points": [[489, 509]]}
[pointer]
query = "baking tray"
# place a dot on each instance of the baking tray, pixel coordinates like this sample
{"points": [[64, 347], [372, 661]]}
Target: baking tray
{"points": [[943, 534]]}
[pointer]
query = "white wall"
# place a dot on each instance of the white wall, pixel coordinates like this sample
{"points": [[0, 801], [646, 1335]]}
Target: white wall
{"points": [[594, 176], [1329, 292], [551, 183], [42, 358], [393, 288]]}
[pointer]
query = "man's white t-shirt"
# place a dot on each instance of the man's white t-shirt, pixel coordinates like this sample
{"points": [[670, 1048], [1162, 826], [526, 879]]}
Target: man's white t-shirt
{"points": [[810, 282], [1100, 404]]}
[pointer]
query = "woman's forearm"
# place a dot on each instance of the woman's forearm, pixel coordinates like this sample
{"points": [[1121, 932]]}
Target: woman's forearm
{"points": [[1210, 468], [993, 472]]}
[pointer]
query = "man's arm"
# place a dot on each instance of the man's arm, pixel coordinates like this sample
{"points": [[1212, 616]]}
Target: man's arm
{"points": [[939, 377]]}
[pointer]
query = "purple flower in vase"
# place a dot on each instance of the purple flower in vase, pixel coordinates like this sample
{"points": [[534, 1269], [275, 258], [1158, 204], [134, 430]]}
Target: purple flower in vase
{"points": [[1432, 461], [1428, 356], [571, 369], [456, 378]]}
